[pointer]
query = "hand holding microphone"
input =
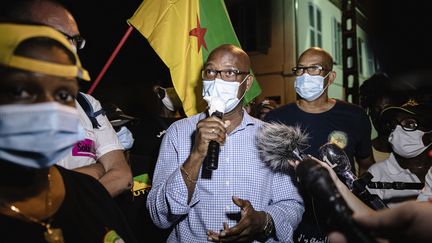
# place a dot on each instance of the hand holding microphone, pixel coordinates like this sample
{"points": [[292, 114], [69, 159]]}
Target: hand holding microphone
{"points": [[278, 144], [336, 158], [216, 109]]}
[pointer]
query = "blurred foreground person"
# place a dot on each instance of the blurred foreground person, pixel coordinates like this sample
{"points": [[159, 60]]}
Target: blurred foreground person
{"points": [[99, 154], [39, 124]]}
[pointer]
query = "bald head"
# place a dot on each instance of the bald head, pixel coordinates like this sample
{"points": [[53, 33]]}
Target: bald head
{"points": [[47, 12], [316, 56], [233, 55]]}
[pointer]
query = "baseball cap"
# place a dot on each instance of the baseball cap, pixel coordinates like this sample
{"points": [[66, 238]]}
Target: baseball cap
{"points": [[421, 108], [116, 116], [12, 35]]}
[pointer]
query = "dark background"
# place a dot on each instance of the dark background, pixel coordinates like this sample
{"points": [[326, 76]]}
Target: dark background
{"points": [[129, 80]]}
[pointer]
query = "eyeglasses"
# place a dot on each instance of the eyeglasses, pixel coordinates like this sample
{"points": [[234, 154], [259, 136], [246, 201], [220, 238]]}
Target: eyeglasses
{"points": [[311, 70], [76, 40], [227, 74], [407, 124]]}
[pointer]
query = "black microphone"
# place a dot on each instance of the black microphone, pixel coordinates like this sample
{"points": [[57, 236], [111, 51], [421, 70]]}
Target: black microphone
{"points": [[336, 157], [316, 180], [212, 158], [277, 143]]}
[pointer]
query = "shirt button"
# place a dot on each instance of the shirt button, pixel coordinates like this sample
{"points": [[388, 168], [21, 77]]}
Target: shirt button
{"points": [[227, 208], [227, 159], [227, 183]]}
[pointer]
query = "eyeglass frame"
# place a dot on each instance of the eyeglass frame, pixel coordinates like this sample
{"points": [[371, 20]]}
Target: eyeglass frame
{"points": [[320, 68], [77, 40], [393, 123], [236, 72]]}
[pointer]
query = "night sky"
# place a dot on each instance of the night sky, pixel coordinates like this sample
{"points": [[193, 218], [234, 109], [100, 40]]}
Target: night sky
{"points": [[135, 70]]}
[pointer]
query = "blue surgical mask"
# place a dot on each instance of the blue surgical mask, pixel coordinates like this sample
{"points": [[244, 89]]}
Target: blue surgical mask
{"points": [[125, 137], [224, 90], [38, 135], [310, 87]]}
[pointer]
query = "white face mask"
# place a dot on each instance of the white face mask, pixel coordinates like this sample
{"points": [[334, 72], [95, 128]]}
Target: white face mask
{"points": [[407, 144], [37, 135], [224, 90], [310, 87], [126, 138]]}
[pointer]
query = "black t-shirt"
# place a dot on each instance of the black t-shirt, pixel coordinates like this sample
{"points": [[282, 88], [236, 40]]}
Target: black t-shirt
{"points": [[87, 214], [345, 124], [133, 203]]}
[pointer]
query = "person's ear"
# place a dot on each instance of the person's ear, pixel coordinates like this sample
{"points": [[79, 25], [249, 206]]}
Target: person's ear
{"points": [[249, 82], [331, 77]]}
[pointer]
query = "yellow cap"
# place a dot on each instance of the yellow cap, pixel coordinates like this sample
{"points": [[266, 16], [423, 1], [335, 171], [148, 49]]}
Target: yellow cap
{"points": [[11, 35]]}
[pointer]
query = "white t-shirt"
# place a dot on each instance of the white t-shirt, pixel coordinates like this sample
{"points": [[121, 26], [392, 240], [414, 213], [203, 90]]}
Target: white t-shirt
{"points": [[390, 171], [427, 190], [97, 142]]}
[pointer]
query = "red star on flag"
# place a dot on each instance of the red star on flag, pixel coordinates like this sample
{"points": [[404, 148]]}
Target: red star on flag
{"points": [[199, 33]]}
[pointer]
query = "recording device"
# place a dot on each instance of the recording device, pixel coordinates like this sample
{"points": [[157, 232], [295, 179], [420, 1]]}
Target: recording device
{"points": [[217, 106], [316, 180], [334, 156], [277, 144]]}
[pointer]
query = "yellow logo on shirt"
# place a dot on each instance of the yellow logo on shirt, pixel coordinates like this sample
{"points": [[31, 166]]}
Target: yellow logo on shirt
{"points": [[141, 185], [339, 138], [112, 237]]}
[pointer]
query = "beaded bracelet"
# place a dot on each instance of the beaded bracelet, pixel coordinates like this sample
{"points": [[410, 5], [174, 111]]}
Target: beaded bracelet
{"points": [[187, 175]]}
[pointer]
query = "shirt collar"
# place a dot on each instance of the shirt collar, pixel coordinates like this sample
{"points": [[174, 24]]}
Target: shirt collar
{"points": [[394, 167]]}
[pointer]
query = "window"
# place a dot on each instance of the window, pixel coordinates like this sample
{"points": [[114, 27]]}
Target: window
{"points": [[251, 22], [337, 42], [360, 44], [315, 25], [370, 61]]}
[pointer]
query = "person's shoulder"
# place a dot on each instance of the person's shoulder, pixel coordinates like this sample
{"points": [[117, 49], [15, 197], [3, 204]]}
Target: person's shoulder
{"points": [[340, 104], [285, 109], [186, 123], [92, 100], [350, 108], [380, 167]]}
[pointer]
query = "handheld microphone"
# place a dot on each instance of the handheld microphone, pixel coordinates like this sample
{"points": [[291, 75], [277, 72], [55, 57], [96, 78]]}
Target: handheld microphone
{"points": [[317, 182], [217, 106], [336, 157], [277, 143]]}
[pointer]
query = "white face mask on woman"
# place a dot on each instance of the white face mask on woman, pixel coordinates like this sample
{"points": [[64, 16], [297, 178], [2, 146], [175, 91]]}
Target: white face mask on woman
{"points": [[310, 87], [407, 144], [224, 90]]}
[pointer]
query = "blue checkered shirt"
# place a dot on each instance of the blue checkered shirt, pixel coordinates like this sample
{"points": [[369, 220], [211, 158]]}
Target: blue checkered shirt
{"points": [[240, 173]]}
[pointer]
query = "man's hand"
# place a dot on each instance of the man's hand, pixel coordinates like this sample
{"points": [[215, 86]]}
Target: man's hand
{"points": [[208, 129], [251, 225]]}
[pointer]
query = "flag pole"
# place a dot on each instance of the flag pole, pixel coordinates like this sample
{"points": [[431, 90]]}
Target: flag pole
{"points": [[110, 60]]}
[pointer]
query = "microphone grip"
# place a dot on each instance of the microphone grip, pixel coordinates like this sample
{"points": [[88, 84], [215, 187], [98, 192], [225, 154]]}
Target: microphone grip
{"points": [[212, 158]]}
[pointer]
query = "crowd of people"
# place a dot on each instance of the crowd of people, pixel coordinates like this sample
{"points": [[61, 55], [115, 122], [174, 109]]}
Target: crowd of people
{"points": [[75, 170]]}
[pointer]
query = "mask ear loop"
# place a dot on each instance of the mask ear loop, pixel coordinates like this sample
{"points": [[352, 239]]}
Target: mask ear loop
{"points": [[328, 84], [244, 93]]}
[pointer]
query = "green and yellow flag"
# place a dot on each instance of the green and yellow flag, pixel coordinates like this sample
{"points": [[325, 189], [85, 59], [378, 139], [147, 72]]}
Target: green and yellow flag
{"points": [[183, 33]]}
